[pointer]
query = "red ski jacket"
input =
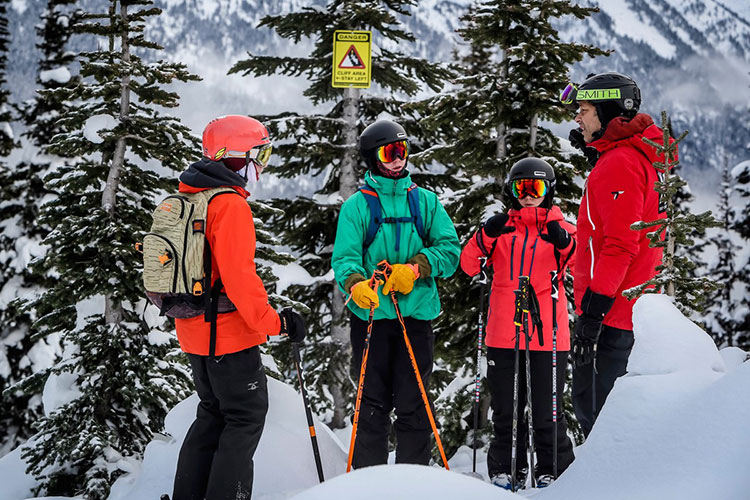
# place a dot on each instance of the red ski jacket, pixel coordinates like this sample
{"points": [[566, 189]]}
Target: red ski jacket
{"points": [[520, 253], [619, 191], [231, 233]]}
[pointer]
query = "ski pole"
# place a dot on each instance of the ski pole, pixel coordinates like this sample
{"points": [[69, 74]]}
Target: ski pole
{"points": [[525, 299], [514, 427], [427, 407], [555, 295], [483, 280], [308, 411], [374, 282]]}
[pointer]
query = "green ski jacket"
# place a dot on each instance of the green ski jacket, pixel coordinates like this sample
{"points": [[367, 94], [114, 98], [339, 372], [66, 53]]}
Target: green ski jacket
{"points": [[441, 247]]}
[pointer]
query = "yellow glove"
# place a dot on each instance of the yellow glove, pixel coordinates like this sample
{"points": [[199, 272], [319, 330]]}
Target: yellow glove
{"points": [[364, 296], [402, 279]]}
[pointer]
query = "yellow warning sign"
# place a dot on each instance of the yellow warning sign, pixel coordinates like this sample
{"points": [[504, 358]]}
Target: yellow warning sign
{"points": [[351, 59]]}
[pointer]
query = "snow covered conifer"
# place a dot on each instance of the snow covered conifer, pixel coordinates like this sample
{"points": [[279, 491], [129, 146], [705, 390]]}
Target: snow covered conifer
{"points": [[723, 302], [119, 375], [509, 83], [324, 146], [7, 141], [740, 177], [673, 274], [23, 191]]}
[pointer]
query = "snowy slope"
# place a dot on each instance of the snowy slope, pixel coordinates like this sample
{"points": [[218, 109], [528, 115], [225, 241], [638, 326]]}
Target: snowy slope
{"points": [[674, 428]]}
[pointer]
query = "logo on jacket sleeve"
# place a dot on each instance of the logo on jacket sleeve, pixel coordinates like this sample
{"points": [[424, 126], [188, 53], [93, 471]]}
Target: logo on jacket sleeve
{"points": [[616, 194]]}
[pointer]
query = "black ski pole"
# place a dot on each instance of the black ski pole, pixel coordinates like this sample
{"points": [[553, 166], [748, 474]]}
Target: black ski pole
{"points": [[483, 280], [308, 411], [523, 284], [514, 426], [554, 294]]}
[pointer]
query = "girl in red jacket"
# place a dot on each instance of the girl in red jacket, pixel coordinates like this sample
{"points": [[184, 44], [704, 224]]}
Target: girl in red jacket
{"points": [[531, 240]]}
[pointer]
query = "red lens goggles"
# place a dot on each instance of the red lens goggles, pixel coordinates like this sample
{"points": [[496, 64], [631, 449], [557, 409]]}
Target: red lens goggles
{"points": [[389, 152], [536, 188]]}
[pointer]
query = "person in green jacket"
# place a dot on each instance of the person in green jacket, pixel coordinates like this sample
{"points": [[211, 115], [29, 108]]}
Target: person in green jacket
{"points": [[415, 235]]}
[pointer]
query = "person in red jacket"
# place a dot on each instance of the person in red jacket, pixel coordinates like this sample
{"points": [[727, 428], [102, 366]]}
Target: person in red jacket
{"points": [[531, 240], [611, 257], [216, 458]]}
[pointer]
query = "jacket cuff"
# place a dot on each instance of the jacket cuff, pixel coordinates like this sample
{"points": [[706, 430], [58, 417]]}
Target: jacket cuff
{"points": [[424, 265], [352, 280], [595, 304]]}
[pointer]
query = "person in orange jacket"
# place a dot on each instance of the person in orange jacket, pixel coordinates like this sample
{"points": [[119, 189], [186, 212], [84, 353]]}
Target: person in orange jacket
{"points": [[216, 458], [531, 240]]}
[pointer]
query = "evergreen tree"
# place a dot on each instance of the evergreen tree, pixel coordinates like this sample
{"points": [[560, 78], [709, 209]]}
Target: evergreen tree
{"points": [[119, 375], [722, 306], [673, 275], [740, 177], [23, 191], [7, 140], [324, 146], [509, 82]]}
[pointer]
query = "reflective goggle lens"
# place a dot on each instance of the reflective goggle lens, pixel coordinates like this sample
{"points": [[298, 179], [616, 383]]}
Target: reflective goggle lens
{"points": [[261, 154], [390, 152], [568, 95], [536, 188]]}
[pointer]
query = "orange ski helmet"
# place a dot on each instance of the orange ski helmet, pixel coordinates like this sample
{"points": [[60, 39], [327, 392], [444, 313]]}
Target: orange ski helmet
{"points": [[233, 136]]}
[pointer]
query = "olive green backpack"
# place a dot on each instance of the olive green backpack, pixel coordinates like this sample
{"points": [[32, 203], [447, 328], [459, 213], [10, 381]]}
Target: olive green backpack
{"points": [[177, 257]]}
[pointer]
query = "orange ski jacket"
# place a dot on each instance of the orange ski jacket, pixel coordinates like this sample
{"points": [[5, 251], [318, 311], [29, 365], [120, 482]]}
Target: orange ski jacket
{"points": [[231, 234]]}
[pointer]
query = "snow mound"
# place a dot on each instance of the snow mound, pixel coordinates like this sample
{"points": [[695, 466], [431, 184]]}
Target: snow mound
{"points": [[404, 481], [668, 342], [674, 428], [284, 463]]}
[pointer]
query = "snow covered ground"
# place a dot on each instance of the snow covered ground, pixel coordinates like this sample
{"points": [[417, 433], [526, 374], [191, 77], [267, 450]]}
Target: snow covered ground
{"points": [[676, 427]]}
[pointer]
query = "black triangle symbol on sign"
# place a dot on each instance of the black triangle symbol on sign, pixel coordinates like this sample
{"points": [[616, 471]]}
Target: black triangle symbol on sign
{"points": [[352, 60]]}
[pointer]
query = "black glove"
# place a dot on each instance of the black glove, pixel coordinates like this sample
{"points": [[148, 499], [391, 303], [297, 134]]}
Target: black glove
{"points": [[589, 325], [292, 325], [495, 226], [577, 141], [556, 235]]}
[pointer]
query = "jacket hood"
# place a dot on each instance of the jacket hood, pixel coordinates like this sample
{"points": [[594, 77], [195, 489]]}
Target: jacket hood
{"points": [[535, 216], [207, 174], [211, 174], [630, 133]]}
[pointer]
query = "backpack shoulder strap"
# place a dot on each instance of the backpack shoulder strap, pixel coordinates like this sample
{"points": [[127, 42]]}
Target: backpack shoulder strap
{"points": [[376, 214], [412, 195]]}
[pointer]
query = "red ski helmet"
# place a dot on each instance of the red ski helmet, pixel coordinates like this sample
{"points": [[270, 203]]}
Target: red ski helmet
{"points": [[233, 136]]}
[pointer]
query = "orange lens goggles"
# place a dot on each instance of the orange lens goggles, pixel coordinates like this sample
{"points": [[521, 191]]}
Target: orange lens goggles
{"points": [[390, 152], [536, 188]]}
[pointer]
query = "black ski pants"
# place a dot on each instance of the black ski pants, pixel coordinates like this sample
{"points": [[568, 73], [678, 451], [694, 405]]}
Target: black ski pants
{"points": [[216, 458], [500, 369], [612, 353], [390, 383]]}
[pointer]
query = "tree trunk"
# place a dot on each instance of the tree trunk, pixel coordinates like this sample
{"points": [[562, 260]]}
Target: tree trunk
{"points": [[339, 330], [113, 313], [533, 127]]}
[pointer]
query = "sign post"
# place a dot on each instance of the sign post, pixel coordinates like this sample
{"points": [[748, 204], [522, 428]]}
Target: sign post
{"points": [[351, 59]]}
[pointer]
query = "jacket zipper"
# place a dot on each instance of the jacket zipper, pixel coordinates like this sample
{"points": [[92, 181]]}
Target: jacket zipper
{"points": [[512, 248]]}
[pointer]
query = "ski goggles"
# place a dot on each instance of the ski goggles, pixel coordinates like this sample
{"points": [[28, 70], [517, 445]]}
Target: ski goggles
{"points": [[568, 96], [259, 154], [536, 188], [389, 152]]}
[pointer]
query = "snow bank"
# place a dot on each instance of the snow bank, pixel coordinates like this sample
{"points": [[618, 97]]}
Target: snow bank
{"points": [[675, 427], [404, 481], [284, 462]]}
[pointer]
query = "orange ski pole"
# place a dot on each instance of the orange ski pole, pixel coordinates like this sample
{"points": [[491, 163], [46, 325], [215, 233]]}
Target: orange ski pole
{"points": [[374, 282], [414, 364]]}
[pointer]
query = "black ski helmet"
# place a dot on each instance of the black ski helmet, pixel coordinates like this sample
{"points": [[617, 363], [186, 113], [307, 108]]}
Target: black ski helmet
{"points": [[378, 134], [612, 94], [532, 168]]}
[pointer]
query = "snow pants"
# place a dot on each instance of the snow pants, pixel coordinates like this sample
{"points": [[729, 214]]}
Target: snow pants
{"points": [[612, 353], [216, 458], [500, 367], [390, 383]]}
